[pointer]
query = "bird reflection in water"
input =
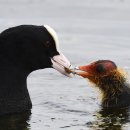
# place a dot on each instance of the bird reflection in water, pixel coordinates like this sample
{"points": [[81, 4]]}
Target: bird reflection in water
{"points": [[15, 121], [107, 119]]}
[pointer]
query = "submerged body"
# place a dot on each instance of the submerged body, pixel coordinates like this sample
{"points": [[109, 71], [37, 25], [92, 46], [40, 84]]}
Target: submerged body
{"points": [[24, 49], [111, 82]]}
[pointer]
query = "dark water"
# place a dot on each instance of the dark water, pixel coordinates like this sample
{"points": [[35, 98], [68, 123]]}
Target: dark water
{"points": [[105, 120], [15, 121], [110, 119], [88, 30]]}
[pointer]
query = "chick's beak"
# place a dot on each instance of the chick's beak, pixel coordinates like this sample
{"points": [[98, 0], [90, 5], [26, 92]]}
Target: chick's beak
{"points": [[84, 71], [60, 63]]}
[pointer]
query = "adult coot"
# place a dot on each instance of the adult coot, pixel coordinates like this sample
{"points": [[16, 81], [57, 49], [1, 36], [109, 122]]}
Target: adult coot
{"points": [[112, 83], [24, 49]]}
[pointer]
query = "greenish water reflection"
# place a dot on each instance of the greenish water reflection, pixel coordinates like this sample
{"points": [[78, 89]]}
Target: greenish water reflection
{"points": [[110, 119], [15, 121]]}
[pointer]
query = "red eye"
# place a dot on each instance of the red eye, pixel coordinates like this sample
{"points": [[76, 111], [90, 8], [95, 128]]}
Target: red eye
{"points": [[47, 43]]}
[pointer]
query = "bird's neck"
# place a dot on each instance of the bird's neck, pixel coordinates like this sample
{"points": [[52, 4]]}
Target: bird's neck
{"points": [[13, 88], [116, 97], [12, 80], [115, 90]]}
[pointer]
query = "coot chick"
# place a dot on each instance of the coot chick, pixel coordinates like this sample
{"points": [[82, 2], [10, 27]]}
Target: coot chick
{"points": [[112, 83], [24, 49]]}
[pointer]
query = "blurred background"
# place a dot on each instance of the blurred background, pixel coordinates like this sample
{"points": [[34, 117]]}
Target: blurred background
{"points": [[88, 30]]}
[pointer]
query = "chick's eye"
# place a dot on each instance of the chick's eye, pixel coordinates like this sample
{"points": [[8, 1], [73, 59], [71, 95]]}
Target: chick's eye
{"points": [[47, 43], [100, 68]]}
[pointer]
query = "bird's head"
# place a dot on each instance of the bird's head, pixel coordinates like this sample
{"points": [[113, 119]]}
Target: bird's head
{"points": [[102, 73], [97, 68]]}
